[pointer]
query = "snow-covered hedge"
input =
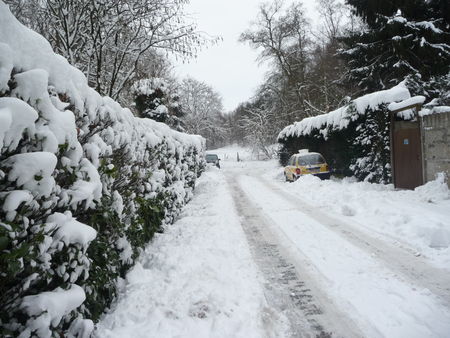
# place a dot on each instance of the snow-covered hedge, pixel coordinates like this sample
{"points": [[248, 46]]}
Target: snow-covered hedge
{"points": [[84, 185], [354, 138]]}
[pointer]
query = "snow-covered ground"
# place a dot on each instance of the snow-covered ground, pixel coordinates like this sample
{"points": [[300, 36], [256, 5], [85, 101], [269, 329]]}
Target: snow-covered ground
{"points": [[254, 256], [197, 279], [232, 152], [418, 219]]}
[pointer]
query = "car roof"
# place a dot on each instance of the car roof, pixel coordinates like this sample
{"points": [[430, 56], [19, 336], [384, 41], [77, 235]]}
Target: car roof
{"points": [[306, 154]]}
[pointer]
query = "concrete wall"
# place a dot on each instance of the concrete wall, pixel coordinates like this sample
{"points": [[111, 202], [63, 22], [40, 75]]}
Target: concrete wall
{"points": [[436, 145]]}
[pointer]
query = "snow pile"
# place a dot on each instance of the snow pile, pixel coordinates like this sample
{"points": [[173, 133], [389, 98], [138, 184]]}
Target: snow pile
{"points": [[84, 185], [341, 117], [434, 191], [418, 219]]}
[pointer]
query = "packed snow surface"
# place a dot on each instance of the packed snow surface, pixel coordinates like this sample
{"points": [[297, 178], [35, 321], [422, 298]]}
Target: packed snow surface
{"points": [[195, 280]]}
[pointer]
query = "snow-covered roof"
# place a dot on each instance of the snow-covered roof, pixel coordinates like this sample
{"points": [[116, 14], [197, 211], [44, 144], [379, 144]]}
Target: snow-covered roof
{"points": [[340, 118], [412, 101]]}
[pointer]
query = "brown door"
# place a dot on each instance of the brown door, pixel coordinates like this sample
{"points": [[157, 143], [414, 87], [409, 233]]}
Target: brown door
{"points": [[407, 158]]}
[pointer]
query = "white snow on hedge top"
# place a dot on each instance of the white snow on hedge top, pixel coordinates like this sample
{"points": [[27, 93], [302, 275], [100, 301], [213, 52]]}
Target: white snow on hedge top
{"points": [[26, 50], [340, 118], [33, 171], [49, 308], [16, 117], [70, 231]]}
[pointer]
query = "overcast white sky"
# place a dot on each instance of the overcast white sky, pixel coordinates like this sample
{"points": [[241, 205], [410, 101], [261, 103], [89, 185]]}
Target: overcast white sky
{"points": [[229, 67]]}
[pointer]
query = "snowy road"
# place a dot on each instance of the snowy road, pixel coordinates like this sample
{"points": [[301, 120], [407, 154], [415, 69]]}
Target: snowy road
{"points": [[253, 256]]}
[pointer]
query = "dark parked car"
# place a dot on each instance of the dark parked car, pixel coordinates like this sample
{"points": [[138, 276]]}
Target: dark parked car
{"points": [[214, 159]]}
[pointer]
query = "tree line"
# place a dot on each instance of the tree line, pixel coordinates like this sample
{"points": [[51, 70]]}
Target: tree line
{"points": [[122, 46], [358, 47]]}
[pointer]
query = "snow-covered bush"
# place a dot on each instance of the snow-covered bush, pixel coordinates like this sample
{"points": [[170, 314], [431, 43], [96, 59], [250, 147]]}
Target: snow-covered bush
{"points": [[84, 185], [155, 99]]}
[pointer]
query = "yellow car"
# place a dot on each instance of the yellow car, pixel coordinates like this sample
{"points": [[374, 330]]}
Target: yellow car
{"points": [[305, 163]]}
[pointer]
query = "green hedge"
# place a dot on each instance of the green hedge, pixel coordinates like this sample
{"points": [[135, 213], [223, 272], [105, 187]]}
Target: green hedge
{"points": [[84, 186]]}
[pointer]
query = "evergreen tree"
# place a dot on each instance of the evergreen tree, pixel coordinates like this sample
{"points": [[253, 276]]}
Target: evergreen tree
{"points": [[371, 146], [402, 39], [153, 100]]}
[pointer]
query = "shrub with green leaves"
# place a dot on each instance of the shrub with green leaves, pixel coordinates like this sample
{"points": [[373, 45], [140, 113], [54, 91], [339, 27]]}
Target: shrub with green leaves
{"points": [[84, 186]]}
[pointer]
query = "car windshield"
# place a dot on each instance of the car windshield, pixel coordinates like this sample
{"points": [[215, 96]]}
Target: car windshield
{"points": [[311, 159], [211, 157]]}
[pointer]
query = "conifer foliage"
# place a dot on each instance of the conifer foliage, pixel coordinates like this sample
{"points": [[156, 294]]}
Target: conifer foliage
{"points": [[371, 145], [401, 39]]}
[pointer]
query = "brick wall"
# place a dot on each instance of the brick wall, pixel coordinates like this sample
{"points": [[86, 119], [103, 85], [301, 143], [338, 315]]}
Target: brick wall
{"points": [[436, 145]]}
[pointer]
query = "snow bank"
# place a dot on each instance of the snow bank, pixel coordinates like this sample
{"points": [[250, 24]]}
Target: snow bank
{"points": [[341, 117], [419, 219], [434, 191]]}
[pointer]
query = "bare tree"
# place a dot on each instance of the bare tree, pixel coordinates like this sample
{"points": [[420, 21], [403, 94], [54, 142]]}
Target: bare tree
{"points": [[260, 131], [109, 40], [202, 111], [283, 36]]}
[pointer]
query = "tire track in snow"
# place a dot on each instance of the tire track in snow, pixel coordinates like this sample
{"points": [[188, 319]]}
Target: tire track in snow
{"points": [[286, 288], [415, 269]]}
